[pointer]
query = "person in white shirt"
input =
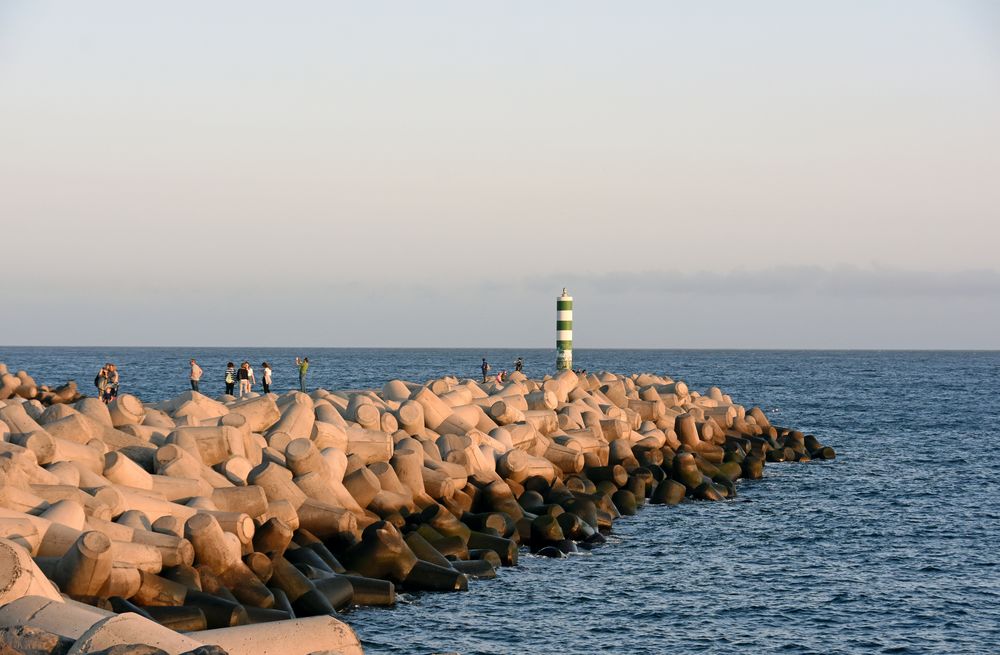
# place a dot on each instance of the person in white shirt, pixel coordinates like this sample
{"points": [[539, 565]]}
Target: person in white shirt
{"points": [[195, 375], [265, 379]]}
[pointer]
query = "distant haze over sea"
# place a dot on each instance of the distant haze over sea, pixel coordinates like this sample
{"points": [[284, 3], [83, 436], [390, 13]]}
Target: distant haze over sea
{"points": [[811, 308]]}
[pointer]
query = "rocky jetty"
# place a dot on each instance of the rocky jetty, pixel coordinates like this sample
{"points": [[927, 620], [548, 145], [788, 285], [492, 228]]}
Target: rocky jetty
{"points": [[21, 385], [211, 525]]}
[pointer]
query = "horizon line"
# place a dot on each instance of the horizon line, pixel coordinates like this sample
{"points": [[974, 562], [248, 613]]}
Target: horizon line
{"points": [[529, 348]]}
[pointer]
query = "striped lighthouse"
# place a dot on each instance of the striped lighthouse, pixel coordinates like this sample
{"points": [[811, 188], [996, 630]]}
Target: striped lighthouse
{"points": [[564, 332]]}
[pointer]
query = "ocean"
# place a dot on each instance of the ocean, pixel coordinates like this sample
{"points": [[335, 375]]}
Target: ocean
{"points": [[890, 548]]}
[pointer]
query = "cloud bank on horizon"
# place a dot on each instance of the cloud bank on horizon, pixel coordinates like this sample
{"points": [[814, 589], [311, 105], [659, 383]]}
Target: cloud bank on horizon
{"points": [[699, 174], [795, 307]]}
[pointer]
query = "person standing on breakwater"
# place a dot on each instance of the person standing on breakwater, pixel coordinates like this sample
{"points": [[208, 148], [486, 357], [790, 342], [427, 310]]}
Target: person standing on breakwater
{"points": [[243, 376], [195, 375], [230, 378], [253, 378], [265, 377], [101, 381], [111, 388], [519, 365], [303, 365], [486, 368]]}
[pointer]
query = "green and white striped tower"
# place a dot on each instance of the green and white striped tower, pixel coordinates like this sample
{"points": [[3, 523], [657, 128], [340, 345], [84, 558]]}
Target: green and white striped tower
{"points": [[564, 332]]}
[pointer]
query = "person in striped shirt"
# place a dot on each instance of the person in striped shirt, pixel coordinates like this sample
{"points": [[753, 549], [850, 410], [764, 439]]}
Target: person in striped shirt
{"points": [[230, 378]]}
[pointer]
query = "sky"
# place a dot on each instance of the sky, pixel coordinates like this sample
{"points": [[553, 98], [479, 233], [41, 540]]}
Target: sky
{"points": [[711, 174]]}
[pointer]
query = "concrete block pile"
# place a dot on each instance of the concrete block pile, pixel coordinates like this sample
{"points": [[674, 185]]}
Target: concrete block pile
{"points": [[247, 525]]}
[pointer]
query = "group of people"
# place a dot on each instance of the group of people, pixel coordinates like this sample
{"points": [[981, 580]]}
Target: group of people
{"points": [[502, 375], [107, 381], [240, 381], [243, 378]]}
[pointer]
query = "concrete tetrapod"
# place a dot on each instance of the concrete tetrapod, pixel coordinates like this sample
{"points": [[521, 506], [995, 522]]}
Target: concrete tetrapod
{"points": [[68, 619], [125, 629], [86, 567], [20, 576], [221, 558], [293, 637], [381, 553]]}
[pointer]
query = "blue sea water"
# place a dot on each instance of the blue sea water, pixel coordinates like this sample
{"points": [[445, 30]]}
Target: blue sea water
{"points": [[894, 547]]}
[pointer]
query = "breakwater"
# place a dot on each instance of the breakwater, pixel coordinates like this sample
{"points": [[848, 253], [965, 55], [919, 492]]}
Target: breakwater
{"points": [[420, 486]]}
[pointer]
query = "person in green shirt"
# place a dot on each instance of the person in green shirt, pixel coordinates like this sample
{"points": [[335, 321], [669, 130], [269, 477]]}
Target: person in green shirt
{"points": [[303, 365]]}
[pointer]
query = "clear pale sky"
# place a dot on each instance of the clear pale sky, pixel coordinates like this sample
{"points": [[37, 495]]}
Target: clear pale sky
{"points": [[699, 174]]}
